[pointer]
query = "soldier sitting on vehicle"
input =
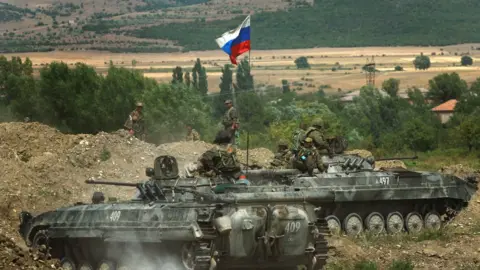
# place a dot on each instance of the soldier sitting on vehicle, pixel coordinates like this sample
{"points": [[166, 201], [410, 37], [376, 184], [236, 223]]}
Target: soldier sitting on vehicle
{"points": [[220, 160], [308, 158], [283, 157], [317, 134]]}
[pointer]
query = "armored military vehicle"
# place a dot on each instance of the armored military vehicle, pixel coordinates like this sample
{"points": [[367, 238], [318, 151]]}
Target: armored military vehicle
{"points": [[186, 223], [377, 199]]}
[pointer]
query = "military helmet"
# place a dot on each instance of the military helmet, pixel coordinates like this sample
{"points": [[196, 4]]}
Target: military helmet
{"points": [[308, 140], [283, 143], [318, 122], [139, 104], [228, 101]]}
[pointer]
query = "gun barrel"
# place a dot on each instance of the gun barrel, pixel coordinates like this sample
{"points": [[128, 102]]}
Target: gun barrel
{"points": [[398, 158], [111, 183]]}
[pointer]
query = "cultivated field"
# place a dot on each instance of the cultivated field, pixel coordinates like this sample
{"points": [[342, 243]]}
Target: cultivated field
{"points": [[270, 67]]}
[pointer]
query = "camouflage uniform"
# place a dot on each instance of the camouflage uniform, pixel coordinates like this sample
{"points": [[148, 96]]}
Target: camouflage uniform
{"points": [[192, 135], [136, 123], [283, 156], [219, 160], [230, 121], [308, 157], [315, 132]]}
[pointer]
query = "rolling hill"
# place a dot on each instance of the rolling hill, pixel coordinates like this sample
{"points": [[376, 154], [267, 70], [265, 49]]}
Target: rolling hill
{"points": [[174, 25]]}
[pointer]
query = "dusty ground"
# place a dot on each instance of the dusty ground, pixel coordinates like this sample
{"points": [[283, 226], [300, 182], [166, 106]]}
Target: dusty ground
{"points": [[44, 169], [270, 67]]}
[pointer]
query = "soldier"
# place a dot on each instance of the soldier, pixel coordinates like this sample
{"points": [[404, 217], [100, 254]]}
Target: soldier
{"points": [[308, 158], [316, 133], [298, 137], [230, 121], [135, 123], [220, 160], [283, 156], [192, 134]]}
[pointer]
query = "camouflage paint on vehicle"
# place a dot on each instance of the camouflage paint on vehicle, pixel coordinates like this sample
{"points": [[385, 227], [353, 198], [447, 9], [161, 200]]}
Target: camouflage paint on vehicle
{"points": [[365, 198], [180, 223]]}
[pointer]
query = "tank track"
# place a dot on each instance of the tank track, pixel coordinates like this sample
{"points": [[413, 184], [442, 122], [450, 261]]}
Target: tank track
{"points": [[202, 256], [321, 244]]}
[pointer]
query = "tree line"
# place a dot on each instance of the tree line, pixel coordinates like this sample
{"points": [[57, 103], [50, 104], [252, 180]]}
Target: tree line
{"points": [[79, 100], [330, 23]]}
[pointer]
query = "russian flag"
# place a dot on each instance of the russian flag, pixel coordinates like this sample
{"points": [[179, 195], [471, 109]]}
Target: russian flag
{"points": [[235, 42]]}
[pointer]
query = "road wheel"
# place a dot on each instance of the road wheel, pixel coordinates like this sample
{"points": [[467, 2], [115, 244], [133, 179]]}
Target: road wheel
{"points": [[433, 221], [375, 223], [67, 264], [414, 223], [353, 224], [334, 224], [106, 265], [394, 223]]}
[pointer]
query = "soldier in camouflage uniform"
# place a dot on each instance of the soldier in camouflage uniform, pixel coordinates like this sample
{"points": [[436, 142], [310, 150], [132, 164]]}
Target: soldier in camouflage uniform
{"points": [[220, 160], [283, 157], [316, 133], [298, 137], [230, 121], [135, 123], [192, 134], [308, 158]]}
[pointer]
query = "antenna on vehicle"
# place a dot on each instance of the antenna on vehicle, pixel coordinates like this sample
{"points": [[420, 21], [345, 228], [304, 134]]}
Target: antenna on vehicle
{"points": [[248, 146]]}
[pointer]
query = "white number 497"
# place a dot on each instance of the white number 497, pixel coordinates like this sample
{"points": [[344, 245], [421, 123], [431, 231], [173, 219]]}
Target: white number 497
{"points": [[292, 227], [383, 180]]}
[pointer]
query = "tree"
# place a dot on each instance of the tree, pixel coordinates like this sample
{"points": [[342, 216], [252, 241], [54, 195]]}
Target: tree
{"points": [[466, 60], [225, 90], [120, 89], [398, 68], [177, 76], [468, 132], [302, 62], [244, 78], [422, 62], [470, 100], [199, 75], [391, 86], [446, 86], [285, 86], [70, 96]]}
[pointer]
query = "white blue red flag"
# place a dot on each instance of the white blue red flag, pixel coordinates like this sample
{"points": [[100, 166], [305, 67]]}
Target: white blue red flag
{"points": [[235, 42]]}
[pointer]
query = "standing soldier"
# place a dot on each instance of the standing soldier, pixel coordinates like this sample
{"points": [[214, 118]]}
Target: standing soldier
{"points": [[230, 121], [316, 133], [135, 123], [192, 134]]}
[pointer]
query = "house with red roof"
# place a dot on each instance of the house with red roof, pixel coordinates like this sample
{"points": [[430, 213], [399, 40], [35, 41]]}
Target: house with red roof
{"points": [[445, 110]]}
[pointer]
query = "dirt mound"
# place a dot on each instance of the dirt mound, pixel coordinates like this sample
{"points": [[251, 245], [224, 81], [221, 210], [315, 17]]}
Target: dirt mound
{"points": [[360, 152], [12, 257], [459, 170], [378, 164], [22, 141]]}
